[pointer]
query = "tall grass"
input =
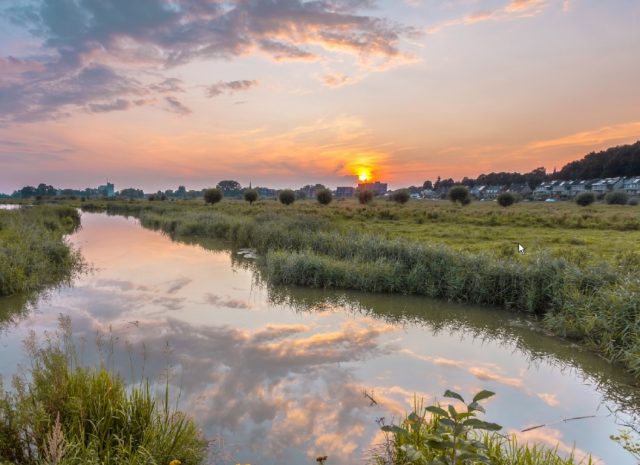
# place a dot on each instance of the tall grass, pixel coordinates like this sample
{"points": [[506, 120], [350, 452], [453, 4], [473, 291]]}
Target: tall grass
{"points": [[65, 414], [33, 250]]}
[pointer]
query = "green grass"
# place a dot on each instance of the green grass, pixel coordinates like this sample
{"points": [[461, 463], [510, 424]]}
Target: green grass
{"points": [[65, 414], [33, 249]]}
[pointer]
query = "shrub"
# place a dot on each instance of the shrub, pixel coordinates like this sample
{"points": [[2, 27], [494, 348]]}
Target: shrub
{"points": [[324, 196], [616, 198], [212, 196], [287, 197], [402, 196], [66, 414], [250, 195], [506, 199], [633, 201], [365, 196], [585, 198], [460, 194]]}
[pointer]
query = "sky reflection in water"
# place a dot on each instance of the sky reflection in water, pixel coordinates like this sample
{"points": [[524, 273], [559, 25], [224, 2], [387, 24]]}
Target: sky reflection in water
{"points": [[277, 377]]}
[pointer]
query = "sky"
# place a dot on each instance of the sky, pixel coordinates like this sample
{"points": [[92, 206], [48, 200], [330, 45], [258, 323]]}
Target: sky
{"points": [[159, 93]]}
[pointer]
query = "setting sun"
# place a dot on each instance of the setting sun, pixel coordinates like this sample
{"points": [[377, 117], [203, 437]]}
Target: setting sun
{"points": [[364, 175]]}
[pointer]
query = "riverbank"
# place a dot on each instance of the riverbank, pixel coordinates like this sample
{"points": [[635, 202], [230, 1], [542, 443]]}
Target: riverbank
{"points": [[33, 250], [593, 303]]}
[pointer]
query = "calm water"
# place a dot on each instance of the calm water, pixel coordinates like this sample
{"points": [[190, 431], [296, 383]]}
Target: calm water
{"points": [[277, 376]]}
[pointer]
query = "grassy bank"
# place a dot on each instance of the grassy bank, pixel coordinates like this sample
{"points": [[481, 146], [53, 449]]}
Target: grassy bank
{"points": [[594, 303], [33, 250], [65, 414]]}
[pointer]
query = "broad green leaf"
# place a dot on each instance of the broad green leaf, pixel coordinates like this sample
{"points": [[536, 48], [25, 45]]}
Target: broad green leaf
{"points": [[453, 395], [394, 429], [447, 422], [479, 424], [452, 411], [437, 411], [484, 394], [476, 407]]}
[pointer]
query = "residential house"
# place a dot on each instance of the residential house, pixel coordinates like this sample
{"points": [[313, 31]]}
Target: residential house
{"points": [[523, 190], [632, 185], [578, 187], [543, 191], [477, 191], [491, 192]]}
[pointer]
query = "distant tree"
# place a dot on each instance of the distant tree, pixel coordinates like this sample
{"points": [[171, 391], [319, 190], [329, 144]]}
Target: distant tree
{"points": [[400, 196], [181, 192], [585, 198], [428, 185], [212, 196], [623, 160], [324, 196], [230, 188], [287, 197], [301, 195], [251, 195], [27, 191], [506, 199], [365, 196], [460, 194], [616, 198]]}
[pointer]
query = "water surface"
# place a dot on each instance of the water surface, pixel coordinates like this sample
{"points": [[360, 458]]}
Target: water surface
{"points": [[276, 376]]}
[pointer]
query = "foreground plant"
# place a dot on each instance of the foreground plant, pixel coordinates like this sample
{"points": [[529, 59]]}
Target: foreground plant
{"points": [[65, 414], [452, 437]]}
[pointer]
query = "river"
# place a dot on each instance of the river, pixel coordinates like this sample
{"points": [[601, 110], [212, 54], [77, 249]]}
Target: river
{"points": [[278, 376]]}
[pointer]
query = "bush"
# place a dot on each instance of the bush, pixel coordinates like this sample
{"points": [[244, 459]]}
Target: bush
{"points": [[324, 196], [616, 198], [65, 414], [585, 198], [365, 196], [460, 194], [633, 201], [250, 195], [402, 196], [287, 197], [212, 196], [506, 199]]}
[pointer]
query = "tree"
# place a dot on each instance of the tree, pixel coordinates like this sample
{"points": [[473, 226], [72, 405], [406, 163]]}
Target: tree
{"points": [[365, 196], [287, 197], [212, 196], [324, 196], [506, 199], [428, 185], [401, 196], [250, 195], [230, 188], [616, 198], [585, 198], [460, 194]]}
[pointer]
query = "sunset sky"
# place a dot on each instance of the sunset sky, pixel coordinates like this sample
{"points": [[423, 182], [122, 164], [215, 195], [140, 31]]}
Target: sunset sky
{"points": [[157, 93]]}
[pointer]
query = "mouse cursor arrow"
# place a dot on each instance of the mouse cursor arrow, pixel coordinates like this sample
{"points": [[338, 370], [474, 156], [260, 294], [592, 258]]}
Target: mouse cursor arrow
{"points": [[521, 249]]}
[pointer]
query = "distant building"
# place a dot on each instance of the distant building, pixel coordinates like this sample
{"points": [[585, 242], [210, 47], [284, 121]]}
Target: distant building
{"points": [[266, 193], [107, 190], [344, 192], [378, 188]]}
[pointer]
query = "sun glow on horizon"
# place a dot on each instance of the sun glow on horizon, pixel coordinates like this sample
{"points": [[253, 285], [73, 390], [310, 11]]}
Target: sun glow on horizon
{"points": [[364, 174]]}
